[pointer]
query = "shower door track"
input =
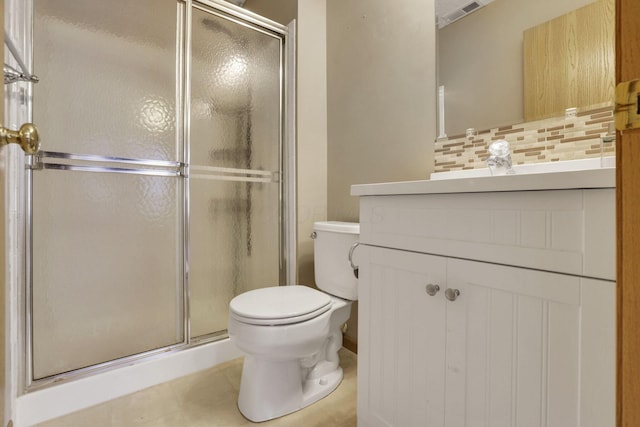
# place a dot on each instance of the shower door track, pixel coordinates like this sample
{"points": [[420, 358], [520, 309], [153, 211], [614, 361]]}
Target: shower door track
{"points": [[120, 362]]}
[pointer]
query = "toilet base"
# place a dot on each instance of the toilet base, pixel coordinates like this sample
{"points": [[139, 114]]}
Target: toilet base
{"points": [[318, 388], [271, 389]]}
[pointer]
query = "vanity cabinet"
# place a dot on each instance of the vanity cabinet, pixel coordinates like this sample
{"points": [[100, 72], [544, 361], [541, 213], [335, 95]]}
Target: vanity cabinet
{"points": [[528, 342], [516, 346]]}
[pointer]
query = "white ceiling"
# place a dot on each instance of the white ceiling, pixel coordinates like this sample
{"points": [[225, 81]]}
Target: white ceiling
{"points": [[445, 9]]}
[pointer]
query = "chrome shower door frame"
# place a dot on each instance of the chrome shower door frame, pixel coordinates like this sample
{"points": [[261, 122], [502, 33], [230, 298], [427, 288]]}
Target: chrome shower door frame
{"points": [[18, 25], [287, 135]]}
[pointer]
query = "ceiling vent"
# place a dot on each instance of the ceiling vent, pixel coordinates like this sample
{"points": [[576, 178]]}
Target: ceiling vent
{"points": [[449, 11]]}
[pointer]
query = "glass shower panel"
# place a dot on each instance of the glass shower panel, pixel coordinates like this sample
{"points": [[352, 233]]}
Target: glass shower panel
{"points": [[106, 248], [235, 165], [235, 95], [107, 77], [235, 246], [106, 267]]}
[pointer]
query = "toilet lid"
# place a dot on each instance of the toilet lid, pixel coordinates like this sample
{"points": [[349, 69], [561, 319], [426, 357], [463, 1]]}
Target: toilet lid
{"points": [[279, 305]]}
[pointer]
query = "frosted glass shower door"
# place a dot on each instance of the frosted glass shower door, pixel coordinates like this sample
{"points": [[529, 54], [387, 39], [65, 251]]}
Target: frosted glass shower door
{"points": [[107, 196], [159, 196], [235, 165]]}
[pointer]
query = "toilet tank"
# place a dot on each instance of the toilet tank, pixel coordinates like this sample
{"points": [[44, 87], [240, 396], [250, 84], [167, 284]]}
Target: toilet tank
{"points": [[333, 273]]}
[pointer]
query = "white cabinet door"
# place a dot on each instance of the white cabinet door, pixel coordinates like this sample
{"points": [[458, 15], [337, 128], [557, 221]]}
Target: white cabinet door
{"points": [[517, 347], [517, 343], [401, 339]]}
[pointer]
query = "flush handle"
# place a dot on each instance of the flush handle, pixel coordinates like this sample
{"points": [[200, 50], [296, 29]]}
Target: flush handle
{"points": [[432, 289], [353, 266], [451, 294]]}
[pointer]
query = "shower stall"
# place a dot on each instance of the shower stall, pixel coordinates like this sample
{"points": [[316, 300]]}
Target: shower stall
{"points": [[164, 185]]}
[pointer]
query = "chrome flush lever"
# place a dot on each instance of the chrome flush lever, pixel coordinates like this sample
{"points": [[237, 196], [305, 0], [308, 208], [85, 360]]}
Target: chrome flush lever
{"points": [[353, 266]]}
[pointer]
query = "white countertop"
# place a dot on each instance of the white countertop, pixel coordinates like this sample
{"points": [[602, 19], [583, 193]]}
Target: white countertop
{"points": [[592, 178]]}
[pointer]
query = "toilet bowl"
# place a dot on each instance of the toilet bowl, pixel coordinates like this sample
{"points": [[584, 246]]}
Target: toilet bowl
{"points": [[291, 334]]}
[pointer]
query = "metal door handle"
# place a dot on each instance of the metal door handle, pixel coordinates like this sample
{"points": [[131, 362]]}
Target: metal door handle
{"points": [[451, 294], [432, 289], [27, 137]]}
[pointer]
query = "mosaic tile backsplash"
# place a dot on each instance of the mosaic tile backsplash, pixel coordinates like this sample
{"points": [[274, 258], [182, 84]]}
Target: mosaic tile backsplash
{"points": [[547, 140]]}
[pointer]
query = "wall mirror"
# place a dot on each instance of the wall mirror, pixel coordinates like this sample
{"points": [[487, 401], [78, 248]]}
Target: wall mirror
{"points": [[490, 81]]}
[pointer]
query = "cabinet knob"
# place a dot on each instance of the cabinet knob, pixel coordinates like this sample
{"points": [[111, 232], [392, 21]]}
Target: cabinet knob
{"points": [[451, 294], [432, 289]]}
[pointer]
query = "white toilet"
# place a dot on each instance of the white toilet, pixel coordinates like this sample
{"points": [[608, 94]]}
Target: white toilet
{"points": [[291, 334]]}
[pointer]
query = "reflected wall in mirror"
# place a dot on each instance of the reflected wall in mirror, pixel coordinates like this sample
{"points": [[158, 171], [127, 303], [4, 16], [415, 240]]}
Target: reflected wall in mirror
{"points": [[481, 61]]}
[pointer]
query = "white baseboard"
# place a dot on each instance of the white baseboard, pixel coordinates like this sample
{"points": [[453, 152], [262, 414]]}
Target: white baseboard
{"points": [[52, 402]]}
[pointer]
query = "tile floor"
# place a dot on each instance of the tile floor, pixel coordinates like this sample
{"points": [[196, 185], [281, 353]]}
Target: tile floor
{"points": [[208, 399]]}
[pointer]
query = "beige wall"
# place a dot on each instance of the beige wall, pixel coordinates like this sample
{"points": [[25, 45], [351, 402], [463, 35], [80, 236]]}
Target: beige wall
{"points": [[381, 95], [480, 62], [311, 128], [381, 99], [281, 11]]}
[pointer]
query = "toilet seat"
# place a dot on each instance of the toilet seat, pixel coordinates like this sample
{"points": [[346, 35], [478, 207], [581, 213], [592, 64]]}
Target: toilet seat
{"points": [[279, 305]]}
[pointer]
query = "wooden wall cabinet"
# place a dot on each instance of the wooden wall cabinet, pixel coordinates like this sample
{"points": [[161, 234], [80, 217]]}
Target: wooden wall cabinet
{"points": [[570, 61]]}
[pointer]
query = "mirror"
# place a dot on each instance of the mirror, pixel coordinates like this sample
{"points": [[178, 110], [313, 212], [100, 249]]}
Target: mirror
{"points": [[482, 65]]}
